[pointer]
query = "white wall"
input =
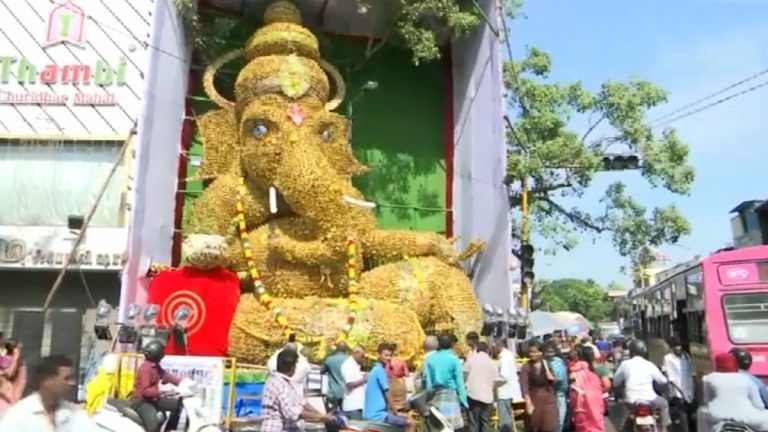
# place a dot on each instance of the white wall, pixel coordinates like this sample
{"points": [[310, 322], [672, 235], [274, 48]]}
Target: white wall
{"points": [[480, 198], [156, 164]]}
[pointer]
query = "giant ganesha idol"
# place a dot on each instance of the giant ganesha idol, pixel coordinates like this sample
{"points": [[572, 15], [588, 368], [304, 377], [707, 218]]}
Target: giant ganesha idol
{"points": [[296, 228]]}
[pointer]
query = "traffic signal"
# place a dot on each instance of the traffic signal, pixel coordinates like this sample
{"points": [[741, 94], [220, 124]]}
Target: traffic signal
{"points": [[526, 275], [620, 162], [526, 265]]}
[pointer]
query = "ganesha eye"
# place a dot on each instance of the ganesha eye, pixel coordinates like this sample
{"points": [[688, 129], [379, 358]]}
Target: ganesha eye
{"points": [[259, 130], [326, 135]]}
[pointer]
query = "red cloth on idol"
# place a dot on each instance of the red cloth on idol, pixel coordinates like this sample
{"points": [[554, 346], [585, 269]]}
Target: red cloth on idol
{"points": [[212, 297]]}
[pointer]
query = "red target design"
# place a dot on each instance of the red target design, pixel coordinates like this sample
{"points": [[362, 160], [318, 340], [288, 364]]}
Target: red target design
{"points": [[192, 301]]}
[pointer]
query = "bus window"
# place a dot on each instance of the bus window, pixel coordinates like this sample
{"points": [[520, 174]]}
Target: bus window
{"points": [[696, 324], [746, 317]]}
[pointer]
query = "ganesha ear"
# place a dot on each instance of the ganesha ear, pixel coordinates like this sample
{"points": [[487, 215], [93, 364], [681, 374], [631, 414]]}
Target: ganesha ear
{"points": [[218, 130]]}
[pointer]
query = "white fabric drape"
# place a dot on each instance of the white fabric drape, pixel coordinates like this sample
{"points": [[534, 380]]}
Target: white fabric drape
{"points": [[40, 185]]}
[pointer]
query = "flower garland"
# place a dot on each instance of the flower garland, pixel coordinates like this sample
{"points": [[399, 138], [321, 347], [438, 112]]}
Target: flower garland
{"points": [[353, 302], [261, 293]]}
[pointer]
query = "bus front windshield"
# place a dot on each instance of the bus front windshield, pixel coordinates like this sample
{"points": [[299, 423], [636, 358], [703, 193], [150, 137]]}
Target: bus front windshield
{"points": [[746, 316]]}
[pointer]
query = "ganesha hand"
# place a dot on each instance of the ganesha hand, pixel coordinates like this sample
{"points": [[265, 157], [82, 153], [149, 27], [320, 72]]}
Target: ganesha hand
{"points": [[445, 250], [273, 238], [297, 251], [204, 251]]}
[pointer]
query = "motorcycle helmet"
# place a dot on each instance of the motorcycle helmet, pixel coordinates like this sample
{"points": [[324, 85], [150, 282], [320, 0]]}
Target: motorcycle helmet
{"points": [[637, 348], [154, 351], [743, 358]]}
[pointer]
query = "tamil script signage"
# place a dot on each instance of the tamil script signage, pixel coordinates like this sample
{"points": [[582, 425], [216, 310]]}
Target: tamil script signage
{"points": [[49, 248]]}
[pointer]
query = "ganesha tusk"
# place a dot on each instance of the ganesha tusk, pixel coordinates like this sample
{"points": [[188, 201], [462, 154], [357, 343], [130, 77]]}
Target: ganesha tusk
{"points": [[272, 200], [359, 203]]}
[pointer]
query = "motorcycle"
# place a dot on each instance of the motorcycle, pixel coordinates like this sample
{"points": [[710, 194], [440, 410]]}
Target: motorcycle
{"points": [[735, 427], [118, 415], [642, 418]]}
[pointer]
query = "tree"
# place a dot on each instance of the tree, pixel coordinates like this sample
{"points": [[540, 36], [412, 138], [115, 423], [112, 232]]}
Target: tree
{"points": [[574, 295], [561, 162], [422, 26]]}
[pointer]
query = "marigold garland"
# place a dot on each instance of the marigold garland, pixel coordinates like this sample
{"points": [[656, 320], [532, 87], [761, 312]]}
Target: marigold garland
{"points": [[353, 302]]}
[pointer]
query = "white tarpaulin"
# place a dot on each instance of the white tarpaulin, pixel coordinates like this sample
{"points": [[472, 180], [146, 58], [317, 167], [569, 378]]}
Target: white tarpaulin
{"points": [[544, 322]]}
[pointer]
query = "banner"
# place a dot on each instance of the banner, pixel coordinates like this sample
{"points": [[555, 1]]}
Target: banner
{"points": [[211, 297], [208, 374]]}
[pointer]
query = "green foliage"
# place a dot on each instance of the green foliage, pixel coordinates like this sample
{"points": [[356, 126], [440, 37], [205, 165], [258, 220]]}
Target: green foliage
{"points": [[208, 34], [561, 162], [574, 295], [422, 25]]}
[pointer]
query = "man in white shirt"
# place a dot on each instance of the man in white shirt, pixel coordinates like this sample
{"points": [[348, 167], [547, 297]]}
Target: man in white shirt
{"points": [[509, 391], [638, 375], [354, 379], [47, 409], [299, 378], [679, 369]]}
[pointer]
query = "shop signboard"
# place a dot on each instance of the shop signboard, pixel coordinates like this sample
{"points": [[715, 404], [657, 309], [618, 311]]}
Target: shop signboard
{"points": [[71, 62], [66, 26], [208, 374], [36, 80], [49, 248]]}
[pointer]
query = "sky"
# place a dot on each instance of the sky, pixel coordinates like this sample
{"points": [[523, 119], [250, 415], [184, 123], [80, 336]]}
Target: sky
{"points": [[691, 48]]}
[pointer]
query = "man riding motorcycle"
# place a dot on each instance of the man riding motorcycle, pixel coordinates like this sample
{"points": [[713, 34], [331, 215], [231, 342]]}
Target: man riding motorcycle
{"points": [[147, 398], [638, 375], [744, 358]]}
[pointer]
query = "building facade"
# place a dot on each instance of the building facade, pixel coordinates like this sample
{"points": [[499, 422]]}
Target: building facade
{"points": [[749, 226], [72, 76]]}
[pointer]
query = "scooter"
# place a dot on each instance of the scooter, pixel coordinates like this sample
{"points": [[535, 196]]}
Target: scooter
{"points": [[374, 426], [118, 415], [418, 403]]}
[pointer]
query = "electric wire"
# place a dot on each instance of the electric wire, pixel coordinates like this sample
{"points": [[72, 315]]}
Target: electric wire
{"points": [[710, 96], [713, 104]]}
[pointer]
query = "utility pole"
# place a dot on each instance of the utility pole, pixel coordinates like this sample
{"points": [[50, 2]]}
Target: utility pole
{"points": [[524, 288]]}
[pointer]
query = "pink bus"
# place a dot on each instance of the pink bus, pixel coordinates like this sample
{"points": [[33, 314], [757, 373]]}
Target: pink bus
{"points": [[712, 304]]}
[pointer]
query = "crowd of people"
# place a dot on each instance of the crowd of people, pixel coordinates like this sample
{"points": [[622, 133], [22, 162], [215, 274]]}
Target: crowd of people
{"points": [[566, 384], [463, 388], [563, 383], [49, 408]]}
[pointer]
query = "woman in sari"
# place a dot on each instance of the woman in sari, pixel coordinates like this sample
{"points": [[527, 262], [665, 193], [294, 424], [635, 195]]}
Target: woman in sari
{"points": [[13, 376], [538, 385], [586, 394]]}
